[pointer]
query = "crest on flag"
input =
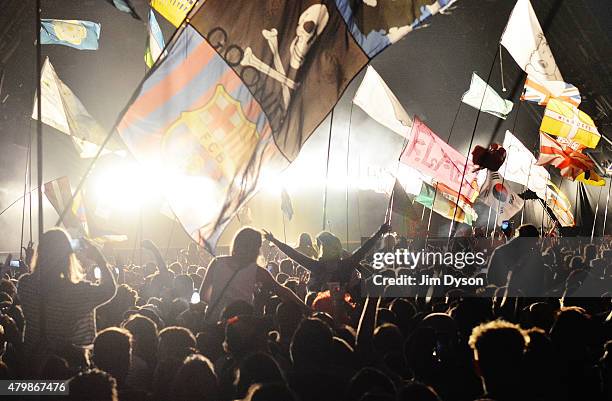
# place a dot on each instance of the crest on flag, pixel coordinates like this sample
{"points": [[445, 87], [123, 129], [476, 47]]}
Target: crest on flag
{"points": [[212, 140]]}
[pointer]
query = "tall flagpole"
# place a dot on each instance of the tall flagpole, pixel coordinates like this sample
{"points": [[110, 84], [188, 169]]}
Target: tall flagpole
{"points": [[596, 211], [346, 195], [331, 124], [603, 233], [450, 230], [39, 143]]}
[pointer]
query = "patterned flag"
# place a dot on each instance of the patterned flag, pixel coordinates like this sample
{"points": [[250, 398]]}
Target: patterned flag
{"points": [[564, 120], [286, 205], [499, 196], [520, 166], [569, 159], [432, 157], [125, 6], [155, 41], [82, 35], [62, 110], [482, 97], [444, 202], [525, 41], [234, 100], [58, 193], [556, 200], [376, 99], [376, 24], [540, 94], [174, 11]]}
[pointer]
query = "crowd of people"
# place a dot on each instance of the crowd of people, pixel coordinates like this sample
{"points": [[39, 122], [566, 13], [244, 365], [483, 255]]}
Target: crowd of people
{"points": [[274, 322]]}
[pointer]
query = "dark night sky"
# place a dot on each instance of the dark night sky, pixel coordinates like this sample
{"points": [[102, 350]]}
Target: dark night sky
{"points": [[428, 71]]}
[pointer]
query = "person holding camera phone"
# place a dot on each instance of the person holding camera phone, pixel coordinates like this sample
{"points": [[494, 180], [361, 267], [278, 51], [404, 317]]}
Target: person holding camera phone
{"points": [[58, 305]]}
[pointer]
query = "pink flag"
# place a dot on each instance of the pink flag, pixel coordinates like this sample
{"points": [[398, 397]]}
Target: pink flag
{"points": [[431, 156]]}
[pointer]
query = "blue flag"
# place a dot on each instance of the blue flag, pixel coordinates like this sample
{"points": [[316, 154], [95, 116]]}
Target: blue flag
{"points": [[155, 42], [125, 6], [82, 35]]}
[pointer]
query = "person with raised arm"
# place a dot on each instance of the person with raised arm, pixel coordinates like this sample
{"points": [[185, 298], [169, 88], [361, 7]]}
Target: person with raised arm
{"points": [[330, 266], [58, 304], [235, 277]]}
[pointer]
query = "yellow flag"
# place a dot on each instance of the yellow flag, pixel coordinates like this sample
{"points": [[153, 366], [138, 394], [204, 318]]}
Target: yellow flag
{"points": [[173, 10], [565, 120], [594, 179]]}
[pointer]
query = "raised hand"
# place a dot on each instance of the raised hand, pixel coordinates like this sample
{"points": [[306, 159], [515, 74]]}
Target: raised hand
{"points": [[384, 228], [268, 235]]}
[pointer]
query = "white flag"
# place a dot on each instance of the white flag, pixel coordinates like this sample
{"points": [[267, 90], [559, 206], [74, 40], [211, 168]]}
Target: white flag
{"points": [[62, 110], [496, 194], [482, 97], [376, 99], [520, 166], [525, 41]]}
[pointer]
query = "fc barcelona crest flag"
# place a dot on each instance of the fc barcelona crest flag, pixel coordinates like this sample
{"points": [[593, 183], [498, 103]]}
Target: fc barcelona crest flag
{"points": [[240, 92]]}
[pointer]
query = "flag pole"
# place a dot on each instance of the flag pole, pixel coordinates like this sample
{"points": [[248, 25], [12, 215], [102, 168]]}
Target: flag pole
{"points": [[524, 189], [39, 138], [450, 230], [284, 229], [331, 123], [488, 221], [596, 212], [450, 134], [346, 195], [603, 233], [25, 190]]}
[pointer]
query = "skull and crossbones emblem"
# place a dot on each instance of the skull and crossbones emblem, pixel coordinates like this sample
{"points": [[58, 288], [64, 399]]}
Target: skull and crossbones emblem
{"points": [[310, 25]]}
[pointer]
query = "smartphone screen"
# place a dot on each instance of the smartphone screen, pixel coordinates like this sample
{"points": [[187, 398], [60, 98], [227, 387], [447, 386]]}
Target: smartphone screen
{"points": [[76, 244], [14, 263]]}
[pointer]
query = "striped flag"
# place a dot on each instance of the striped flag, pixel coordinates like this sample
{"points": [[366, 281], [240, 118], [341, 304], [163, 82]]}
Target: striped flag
{"points": [[444, 202], [558, 202], [569, 159], [58, 193], [562, 119], [540, 94], [155, 41]]}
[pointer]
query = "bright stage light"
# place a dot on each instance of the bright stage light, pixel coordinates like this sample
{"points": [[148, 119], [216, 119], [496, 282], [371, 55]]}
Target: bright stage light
{"points": [[126, 186]]}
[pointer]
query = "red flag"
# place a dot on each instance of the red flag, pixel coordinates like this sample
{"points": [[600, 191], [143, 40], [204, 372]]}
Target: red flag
{"points": [[561, 154]]}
